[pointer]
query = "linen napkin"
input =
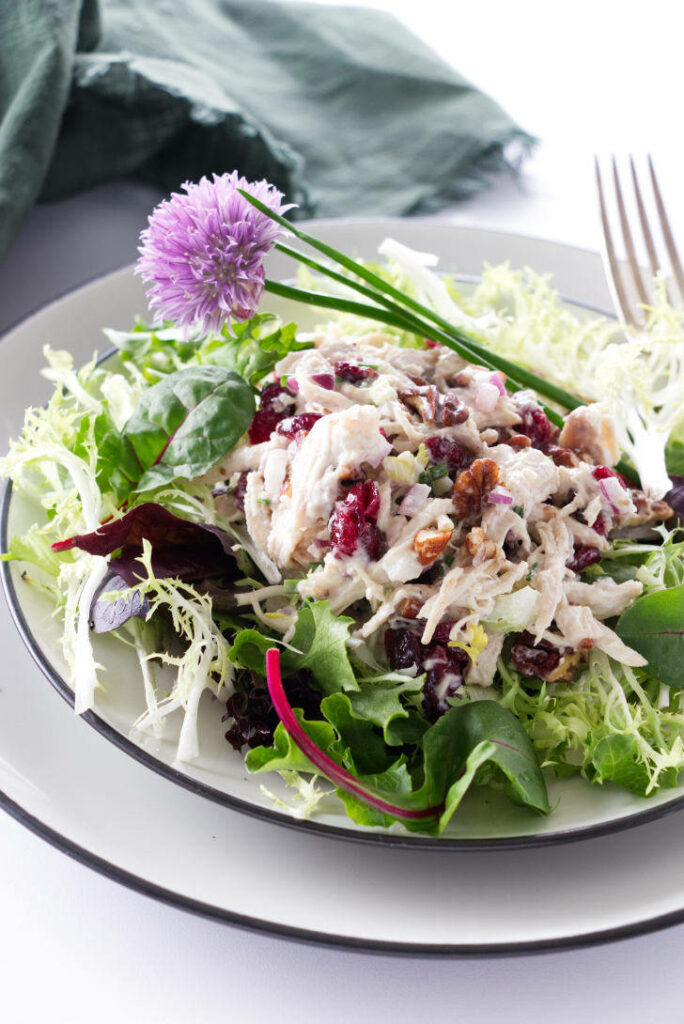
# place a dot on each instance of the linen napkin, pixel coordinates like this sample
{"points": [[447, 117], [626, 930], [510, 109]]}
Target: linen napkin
{"points": [[342, 108]]}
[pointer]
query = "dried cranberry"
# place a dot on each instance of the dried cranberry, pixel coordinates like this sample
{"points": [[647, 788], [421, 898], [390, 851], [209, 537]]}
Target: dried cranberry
{"points": [[602, 473], [276, 404], [599, 525], [373, 540], [537, 426], [365, 497], [442, 631], [345, 529], [534, 660], [442, 449], [583, 556], [443, 678], [403, 649], [354, 374], [297, 424], [240, 491], [353, 522]]}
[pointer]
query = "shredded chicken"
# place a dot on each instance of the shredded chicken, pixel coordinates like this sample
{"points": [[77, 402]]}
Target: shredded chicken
{"points": [[360, 495]]}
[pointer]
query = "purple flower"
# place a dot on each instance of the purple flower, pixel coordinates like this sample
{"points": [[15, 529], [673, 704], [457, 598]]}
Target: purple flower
{"points": [[203, 252]]}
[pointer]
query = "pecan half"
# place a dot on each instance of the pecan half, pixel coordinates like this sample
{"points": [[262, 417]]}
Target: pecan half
{"points": [[429, 544], [473, 485]]}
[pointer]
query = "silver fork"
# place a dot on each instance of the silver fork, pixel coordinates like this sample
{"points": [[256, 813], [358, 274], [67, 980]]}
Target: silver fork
{"points": [[628, 301]]}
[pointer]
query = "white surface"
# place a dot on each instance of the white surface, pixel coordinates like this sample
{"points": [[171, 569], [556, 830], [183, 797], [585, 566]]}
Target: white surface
{"points": [[74, 945]]}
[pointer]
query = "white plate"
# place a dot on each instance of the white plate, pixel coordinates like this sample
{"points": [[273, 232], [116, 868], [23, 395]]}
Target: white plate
{"points": [[93, 800]]}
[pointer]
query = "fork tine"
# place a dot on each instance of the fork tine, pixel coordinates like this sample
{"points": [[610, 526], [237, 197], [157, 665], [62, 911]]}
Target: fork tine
{"points": [[632, 261], [643, 219], [615, 276], [667, 233]]}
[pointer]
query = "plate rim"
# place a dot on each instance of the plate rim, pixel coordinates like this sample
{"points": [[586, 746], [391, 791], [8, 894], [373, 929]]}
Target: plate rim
{"points": [[291, 932], [310, 936]]}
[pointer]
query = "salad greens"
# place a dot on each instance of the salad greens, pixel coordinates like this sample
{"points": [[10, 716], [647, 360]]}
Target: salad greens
{"points": [[120, 462]]}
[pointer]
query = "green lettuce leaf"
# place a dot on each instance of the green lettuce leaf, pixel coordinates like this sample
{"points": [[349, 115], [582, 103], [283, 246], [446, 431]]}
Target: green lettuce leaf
{"points": [[248, 349], [615, 759], [319, 644], [379, 700]]}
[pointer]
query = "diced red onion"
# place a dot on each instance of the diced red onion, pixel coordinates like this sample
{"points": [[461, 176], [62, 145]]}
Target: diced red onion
{"points": [[610, 483], [292, 384], [499, 496], [414, 499], [495, 379], [324, 380], [486, 396]]}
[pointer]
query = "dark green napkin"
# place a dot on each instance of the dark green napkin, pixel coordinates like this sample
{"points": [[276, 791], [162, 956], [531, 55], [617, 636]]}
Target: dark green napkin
{"points": [[341, 107]]}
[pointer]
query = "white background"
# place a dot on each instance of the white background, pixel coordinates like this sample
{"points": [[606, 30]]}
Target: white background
{"points": [[586, 78]]}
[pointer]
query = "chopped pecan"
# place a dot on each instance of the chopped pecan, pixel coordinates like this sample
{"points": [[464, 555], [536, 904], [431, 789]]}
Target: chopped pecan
{"points": [[452, 411], [518, 441], [649, 509], [433, 407], [478, 546], [473, 485], [563, 456], [410, 607], [430, 543], [425, 400]]}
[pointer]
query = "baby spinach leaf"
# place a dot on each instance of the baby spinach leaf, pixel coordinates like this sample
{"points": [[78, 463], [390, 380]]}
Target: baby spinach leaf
{"points": [[187, 421], [654, 626], [465, 740], [249, 650]]}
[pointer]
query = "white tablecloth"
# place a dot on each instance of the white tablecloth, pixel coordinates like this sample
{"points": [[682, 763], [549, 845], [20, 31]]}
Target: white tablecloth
{"points": [[75, 946]]}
